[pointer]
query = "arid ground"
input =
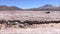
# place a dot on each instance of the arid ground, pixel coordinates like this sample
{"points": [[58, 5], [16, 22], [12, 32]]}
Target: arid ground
{"points": [[51, 28]]}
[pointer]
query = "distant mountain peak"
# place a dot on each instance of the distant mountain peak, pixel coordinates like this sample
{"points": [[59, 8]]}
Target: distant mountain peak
{"points": [[48, 5]]}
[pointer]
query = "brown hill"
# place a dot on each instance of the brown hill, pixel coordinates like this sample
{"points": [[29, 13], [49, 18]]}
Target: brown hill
{"points": [[4, 8]]}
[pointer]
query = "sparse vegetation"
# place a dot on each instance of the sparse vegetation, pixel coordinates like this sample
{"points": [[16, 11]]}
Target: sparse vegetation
{"points": [[9, 23]]}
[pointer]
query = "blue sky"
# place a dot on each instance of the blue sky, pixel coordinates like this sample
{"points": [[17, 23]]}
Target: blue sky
{"points": [[29, 3]]}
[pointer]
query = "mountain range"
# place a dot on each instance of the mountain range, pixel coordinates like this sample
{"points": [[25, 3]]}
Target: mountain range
{"points": [[46, 7]]}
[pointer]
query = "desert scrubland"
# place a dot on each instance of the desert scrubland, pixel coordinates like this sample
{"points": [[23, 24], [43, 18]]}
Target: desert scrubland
{"points": [[51, 28]]}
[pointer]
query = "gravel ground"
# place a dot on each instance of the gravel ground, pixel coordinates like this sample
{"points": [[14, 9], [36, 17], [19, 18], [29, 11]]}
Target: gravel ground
{"points": [[32, 15], [39, 29]]}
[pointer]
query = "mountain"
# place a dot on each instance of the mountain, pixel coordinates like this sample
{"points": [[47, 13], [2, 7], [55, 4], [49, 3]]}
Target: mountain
{"points": [[46, 7], [4, 8]]}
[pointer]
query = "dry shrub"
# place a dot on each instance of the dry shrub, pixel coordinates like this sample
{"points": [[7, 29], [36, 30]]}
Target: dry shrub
{"points": [[2, 26]]}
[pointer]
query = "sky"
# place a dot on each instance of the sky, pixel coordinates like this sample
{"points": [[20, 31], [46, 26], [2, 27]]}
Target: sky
{"points": [[29, 3]]}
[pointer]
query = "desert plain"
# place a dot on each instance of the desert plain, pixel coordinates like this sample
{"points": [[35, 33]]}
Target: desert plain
{"points": [[51, 28]]}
